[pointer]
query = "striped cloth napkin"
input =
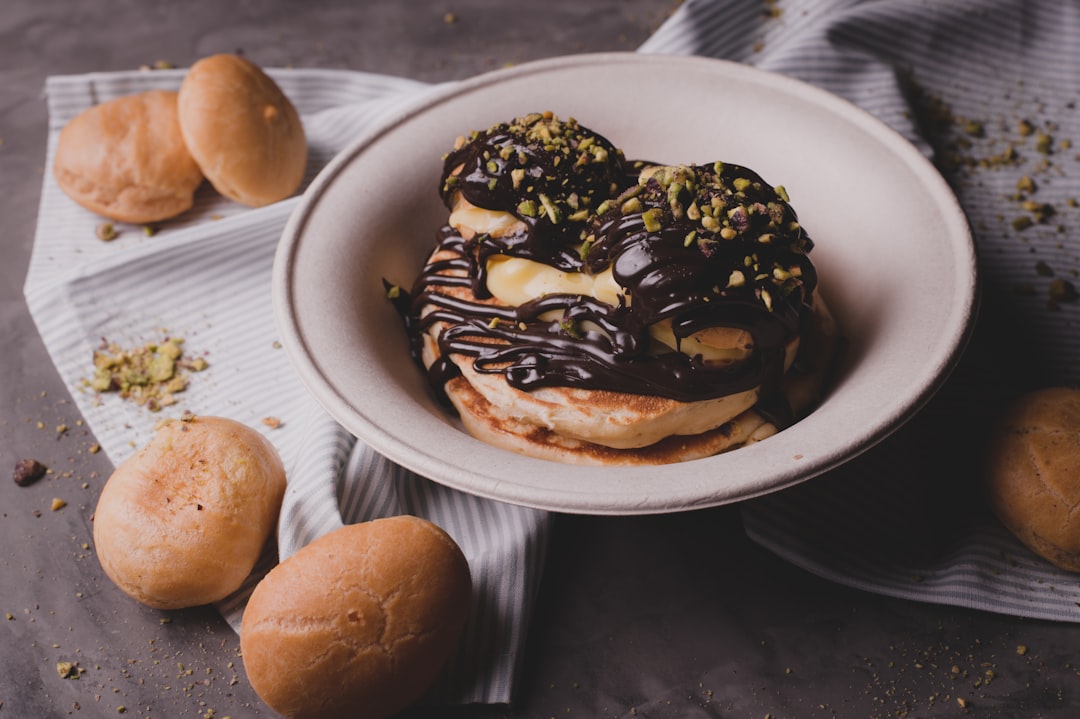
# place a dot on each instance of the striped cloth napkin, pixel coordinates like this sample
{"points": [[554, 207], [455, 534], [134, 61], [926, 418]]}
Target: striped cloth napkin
{"points": [[959, 79], [990, 89]]}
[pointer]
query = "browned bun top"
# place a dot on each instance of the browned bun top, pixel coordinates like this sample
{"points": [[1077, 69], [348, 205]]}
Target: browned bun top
{"points": [[183, 521], [126, 159], [358, 623], [242, 130], [1033, 473]]}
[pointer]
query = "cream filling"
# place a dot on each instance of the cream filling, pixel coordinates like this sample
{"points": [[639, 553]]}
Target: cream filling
{"points": [[513, 281], [469, 220]]}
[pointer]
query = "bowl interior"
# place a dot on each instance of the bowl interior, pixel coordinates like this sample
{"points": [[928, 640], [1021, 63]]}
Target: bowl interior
{"points": [[893, 250]]}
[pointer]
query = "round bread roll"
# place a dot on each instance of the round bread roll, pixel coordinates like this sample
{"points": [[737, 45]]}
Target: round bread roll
{"points": [[242, 130], [1033, 473], [183, 521], [126, 159], [358, 623]]}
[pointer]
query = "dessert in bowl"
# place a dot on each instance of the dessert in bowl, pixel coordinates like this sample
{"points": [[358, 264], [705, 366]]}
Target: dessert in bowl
{"points": [[892, 249], [586, 308]]}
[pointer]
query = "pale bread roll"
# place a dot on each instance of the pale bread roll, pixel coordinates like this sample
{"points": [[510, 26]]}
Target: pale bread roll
{"points": [[183, 521], [1033, 473], [242, 130], [358, 623], [126, 159]]}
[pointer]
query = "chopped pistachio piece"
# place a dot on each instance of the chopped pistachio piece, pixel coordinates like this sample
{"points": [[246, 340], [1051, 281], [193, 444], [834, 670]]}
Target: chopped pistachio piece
{"points": [[651, 218]]}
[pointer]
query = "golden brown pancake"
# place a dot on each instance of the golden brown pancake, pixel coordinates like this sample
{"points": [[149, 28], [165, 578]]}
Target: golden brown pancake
{"points": [[485, 422]]}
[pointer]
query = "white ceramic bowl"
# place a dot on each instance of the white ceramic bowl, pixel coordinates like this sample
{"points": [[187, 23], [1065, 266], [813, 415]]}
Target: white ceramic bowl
{"points": [[893, 248]]}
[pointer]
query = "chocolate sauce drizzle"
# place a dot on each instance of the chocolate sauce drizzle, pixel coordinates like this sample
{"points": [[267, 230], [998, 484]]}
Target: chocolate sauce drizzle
{"points": [[700, 246]]}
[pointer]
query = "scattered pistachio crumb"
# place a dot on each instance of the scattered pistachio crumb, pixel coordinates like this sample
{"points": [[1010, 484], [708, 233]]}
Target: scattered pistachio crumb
{"points": [[1044, 143], [106, 232], [68, 670], [57, 503], [272, 422], [1022, 222], [149, 375], [1063, 291]]}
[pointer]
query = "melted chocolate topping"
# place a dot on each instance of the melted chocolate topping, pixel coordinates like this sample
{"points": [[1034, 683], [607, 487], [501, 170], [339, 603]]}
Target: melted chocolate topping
{"points": [[550, 174], [700, 246]]}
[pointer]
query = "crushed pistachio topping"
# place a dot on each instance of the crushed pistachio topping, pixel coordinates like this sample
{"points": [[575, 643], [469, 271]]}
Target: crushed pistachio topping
{"points": [[557, 170], [718, 206], [150, 375], [571, 328]]}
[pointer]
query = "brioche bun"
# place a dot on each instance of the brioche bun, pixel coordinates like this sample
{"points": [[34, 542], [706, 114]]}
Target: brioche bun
{"points": [[242, 130], [1033, 473], [358, 623], [126, 159], [183, 521]]}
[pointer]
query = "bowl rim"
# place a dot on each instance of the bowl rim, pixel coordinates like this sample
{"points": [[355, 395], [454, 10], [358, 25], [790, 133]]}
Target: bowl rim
{"points": [[938, 367]]}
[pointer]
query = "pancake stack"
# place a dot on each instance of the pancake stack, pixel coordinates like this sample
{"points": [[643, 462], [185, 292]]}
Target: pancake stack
{"points": [[584, 308]]}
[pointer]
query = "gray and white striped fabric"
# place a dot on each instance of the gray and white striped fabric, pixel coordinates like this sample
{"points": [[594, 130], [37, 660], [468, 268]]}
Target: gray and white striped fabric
{"points": [[888, 523], [990, 89], [206, 277]]}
